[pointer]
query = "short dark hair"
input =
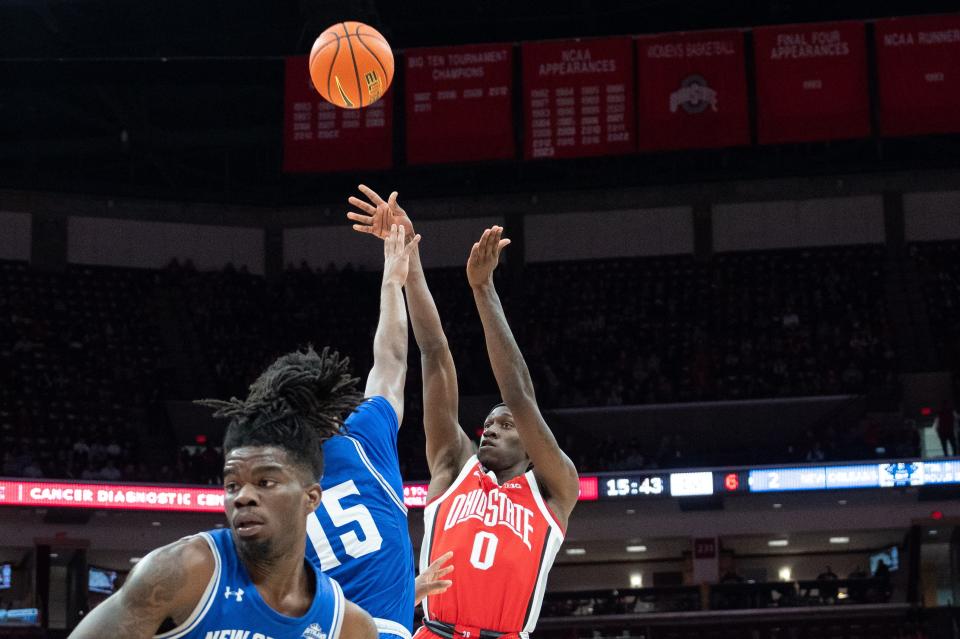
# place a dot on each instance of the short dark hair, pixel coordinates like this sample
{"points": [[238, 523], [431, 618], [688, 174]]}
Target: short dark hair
{"points": [[298, 403]]}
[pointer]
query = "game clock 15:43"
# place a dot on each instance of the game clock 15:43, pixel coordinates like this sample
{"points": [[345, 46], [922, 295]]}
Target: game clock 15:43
{"points": [[634, 486]]}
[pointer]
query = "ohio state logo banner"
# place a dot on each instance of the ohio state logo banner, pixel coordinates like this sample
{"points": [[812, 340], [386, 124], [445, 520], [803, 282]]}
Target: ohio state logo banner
{"points": [[692, 91]]}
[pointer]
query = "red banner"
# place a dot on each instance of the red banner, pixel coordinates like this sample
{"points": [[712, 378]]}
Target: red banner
{"points": [[918, 62], [318, 136], [578, 98], [692, 91], [811, 82], [458, 103]]}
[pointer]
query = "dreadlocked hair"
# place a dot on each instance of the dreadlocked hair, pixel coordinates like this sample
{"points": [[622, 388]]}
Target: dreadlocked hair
{"points": [[298, 403]]}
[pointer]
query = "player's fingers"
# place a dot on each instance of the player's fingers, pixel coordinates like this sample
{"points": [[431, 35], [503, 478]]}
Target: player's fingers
{"points": [[443, 572], [492, 239], [439, 586], [482, 250], [502, 245], [392, 200], [442, 559], [474, 253], [370, 193], [363, 229], [412, 244], [360, 204], [360, 217]]}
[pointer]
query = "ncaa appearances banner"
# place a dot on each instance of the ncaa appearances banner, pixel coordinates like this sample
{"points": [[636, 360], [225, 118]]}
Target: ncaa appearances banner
{"points": [[692, 91], [918, 62], [458, 103], [578, 98], [318, 136], [811, 82]]}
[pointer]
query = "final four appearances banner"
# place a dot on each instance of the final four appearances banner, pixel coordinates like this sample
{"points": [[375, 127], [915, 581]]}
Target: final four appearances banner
{"points": [[811, 82], [918, 62], [458, 103], [692, 91], [578, 98], [318, 136]]}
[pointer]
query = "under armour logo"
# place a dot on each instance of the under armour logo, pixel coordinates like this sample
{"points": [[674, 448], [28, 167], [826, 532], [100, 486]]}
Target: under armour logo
{"points": [[238, 593]]}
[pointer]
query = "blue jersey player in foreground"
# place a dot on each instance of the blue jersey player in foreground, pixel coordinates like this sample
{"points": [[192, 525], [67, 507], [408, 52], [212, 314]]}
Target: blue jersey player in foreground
{"points": [[359, 534], [251, 580]]}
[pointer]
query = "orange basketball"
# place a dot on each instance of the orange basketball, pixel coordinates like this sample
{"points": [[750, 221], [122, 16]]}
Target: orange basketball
{"points": [[351, 65]]}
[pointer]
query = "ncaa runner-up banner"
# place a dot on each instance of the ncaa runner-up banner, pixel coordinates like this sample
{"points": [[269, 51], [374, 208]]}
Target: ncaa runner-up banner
{"points": [[918, 61], [458, 103], [318, 136], [811, 82], [578, 98], [692, 91]]}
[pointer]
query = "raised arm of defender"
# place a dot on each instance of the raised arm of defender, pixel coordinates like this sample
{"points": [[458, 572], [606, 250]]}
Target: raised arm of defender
{"points": [[448, 447], [551, 466], [389, 372]]}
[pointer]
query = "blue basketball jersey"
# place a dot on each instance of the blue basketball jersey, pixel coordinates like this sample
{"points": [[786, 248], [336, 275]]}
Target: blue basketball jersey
{"points": [[232, 607], [358, 535]]}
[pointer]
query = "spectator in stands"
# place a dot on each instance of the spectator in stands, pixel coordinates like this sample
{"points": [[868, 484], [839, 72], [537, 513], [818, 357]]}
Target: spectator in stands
{"points": [[945, 425], [828, 591]]}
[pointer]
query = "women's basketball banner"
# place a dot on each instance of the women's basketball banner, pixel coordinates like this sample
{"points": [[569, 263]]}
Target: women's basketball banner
{"points": [[811, 82], [918, 63], [318, 136], [692, 91], [578, 98], [458, 103]]}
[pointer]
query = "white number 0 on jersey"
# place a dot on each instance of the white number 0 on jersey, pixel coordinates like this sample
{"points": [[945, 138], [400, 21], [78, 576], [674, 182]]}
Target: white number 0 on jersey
{"points": [[340, 516], [484, 549]]}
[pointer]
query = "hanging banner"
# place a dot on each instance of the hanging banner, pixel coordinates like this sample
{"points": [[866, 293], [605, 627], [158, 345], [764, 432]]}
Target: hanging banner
{"points": [[578, 98], [918, 64], [318, 136], [692, 91], [458, 104], [811, 82]]}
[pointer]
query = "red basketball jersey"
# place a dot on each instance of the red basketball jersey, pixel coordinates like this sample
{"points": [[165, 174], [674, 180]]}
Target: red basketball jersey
{"points": [[504, 540]]}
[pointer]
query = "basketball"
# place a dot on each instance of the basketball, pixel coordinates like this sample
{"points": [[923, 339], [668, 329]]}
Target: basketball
{"points": [[351, 65]]}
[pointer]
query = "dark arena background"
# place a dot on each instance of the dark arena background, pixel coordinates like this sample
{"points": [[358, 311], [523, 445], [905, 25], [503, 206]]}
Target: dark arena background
{"points": [[735, 275]]}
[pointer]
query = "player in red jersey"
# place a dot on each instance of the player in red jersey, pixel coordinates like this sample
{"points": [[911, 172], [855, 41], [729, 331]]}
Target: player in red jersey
{"points": [[503, 508]]}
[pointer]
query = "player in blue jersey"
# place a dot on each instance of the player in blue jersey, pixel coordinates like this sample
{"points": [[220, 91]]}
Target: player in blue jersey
{"points": [[359, 534], [251, 580]]}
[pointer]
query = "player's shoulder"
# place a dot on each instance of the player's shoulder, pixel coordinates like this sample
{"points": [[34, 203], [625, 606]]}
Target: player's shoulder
{"points": [[193, 554], [177, 574], [376, 408]]}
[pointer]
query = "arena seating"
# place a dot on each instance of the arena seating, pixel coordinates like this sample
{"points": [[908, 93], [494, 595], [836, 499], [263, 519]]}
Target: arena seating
{"points": [[84, 349]]}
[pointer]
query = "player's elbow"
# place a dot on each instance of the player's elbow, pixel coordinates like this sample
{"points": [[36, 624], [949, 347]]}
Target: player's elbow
{"points": [[433, 348], [358, 624]]}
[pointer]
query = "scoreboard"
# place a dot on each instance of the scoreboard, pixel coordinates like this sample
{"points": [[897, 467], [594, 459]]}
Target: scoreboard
{"points": [[771, 479]]}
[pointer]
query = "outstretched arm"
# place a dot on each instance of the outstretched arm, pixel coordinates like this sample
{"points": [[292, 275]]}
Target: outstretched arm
{"points": [[389, 372], [552, 468], [166, 583], [448, 446]]}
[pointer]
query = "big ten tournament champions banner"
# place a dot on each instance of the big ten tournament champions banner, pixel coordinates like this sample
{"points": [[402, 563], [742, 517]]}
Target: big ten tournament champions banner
{"points": [[458, 104], [918, 63], [692, 91], [578, 98], [318, 136], [811, 82]]}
